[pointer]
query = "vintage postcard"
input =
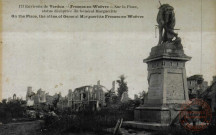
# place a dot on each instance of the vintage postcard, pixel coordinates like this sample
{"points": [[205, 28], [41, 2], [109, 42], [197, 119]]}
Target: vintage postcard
{"points": [[121, 67]]}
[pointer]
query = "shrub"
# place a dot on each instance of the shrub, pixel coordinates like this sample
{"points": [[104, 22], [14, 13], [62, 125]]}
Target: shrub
{"points": [[86, 120]]}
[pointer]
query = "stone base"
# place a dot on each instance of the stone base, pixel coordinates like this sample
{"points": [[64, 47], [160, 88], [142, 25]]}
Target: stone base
{"points": [[154, 118], [145, 125], [152, 114]]}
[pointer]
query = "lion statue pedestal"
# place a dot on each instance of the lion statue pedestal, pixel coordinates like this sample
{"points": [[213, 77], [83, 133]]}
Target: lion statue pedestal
{"points": [[166, 77]]}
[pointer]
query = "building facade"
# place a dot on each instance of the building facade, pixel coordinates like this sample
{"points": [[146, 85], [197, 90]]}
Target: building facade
{"points": [[91, 97], [196, 86], [36, 99]]}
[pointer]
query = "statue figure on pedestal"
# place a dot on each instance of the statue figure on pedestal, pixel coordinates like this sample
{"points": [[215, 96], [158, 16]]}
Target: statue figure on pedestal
{"points": [[166, 22]]}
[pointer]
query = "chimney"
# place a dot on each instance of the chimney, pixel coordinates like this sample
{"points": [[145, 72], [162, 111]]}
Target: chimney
{"points": [[43, 97], [113, 86], [29, 92]]}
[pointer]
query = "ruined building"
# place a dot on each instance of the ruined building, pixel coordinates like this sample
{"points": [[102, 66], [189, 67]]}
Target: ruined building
{"points": [[92, 97], [70, 97], [209, 95], [85, 97], [35, 98], [196, 86]]}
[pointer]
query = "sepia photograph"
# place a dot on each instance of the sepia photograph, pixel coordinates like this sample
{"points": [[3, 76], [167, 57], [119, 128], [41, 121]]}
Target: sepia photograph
{"points": [[108, 67]]}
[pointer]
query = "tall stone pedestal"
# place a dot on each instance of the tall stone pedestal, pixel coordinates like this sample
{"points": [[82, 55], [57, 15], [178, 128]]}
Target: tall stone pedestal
{"points": [[167, 86]]}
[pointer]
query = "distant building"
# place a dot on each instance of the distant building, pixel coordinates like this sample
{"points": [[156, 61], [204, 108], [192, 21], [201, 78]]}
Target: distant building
{"points": [[9, 99], [29, 96], [40, 97], [125, 97], [63, 103], [35, 98], [92, 97], [209, 95], [196, 86], [70, 97], [49, 99]]}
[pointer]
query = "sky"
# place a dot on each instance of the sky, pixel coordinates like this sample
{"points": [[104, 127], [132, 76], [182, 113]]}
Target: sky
{"points": [[57, 55]]}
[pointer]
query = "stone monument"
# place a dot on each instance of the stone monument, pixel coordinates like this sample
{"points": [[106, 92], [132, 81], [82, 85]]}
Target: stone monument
{"points": [[166, 76]]}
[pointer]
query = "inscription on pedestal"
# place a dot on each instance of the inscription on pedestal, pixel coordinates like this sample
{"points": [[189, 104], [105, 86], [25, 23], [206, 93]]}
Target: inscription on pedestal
{"points": [[175, 86], [155, 91]]}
